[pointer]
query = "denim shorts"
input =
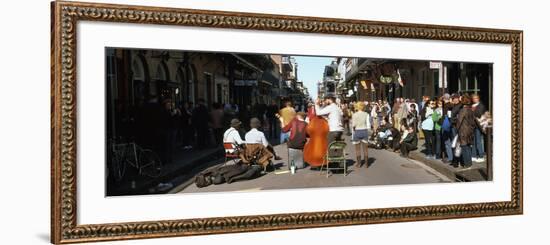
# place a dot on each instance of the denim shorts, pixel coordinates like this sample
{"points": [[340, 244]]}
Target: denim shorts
{"points": [[360, 135]]}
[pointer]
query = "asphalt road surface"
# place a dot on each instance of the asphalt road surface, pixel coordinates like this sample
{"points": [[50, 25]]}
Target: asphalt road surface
{"points": [[386, 168]]}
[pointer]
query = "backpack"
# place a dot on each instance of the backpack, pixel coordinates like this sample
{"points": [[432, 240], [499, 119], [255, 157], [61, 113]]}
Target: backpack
{"points": [[446, 125]]}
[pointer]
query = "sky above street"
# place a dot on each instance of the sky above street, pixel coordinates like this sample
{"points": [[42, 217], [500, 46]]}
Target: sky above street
{"points": [[310, 71]]}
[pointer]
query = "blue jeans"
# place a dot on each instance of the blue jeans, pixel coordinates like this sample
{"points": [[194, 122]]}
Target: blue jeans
{"points": [[478, 151], [429, 139], [448, 140], [284, 137], [466, 155]]}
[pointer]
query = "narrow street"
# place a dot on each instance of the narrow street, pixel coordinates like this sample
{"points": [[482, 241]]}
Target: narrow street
{"points": [[180, 107], [385, 168]]}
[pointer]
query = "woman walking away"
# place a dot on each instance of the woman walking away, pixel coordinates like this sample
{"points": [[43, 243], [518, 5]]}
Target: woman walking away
{"points": [[466, 124], [360, 125]]}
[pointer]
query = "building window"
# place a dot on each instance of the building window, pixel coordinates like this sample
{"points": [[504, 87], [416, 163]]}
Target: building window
{"points": [[180, 79], [469, 85], [138, 78], [137, 70], [111, 74], [422, 84], [161, 73]]}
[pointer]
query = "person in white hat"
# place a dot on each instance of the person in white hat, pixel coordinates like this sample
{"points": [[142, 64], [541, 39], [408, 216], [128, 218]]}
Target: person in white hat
{"points": [[232, 135]]}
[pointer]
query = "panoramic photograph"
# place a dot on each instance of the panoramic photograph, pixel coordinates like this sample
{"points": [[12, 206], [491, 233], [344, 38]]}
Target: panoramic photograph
{"points": [[195, 121]]}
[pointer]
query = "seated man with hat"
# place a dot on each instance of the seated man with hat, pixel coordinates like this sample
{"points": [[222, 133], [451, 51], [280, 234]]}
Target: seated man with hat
{"points": [[232, 135], [255, 136]]}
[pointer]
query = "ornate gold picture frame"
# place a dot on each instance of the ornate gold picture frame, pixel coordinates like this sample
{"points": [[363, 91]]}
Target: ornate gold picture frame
{"points": [[64, 188]]}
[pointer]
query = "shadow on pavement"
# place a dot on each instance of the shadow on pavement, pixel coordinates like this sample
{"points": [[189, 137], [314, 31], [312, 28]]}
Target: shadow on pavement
{"points": [[371, 161]]}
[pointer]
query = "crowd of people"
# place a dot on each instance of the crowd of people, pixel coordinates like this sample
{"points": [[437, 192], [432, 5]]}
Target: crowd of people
{"points": [[453, 127], [167, 128]]}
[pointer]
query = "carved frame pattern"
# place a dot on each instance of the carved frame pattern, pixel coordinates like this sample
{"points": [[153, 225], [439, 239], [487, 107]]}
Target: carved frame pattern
{"points": [[65, 15]]}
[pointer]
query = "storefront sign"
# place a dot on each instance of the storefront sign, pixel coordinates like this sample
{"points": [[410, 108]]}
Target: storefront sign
{"points": [[435, 65]]}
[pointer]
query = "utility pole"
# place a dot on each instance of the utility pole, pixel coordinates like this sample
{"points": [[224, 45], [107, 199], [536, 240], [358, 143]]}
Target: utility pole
{"points": [[443, 76]]}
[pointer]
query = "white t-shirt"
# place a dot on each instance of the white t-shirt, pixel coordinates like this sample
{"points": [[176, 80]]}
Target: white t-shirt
{"points": [[254, 136], [334, 116], [231, 135]]}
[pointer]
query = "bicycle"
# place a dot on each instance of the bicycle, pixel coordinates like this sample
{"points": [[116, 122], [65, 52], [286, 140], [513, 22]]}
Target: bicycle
{"points": [[146, 161]]}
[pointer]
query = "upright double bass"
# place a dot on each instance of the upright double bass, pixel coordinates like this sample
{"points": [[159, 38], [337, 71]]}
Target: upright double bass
{"points": [[316, 147]]}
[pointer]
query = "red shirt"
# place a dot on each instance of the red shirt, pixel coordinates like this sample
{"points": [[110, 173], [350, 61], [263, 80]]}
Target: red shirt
{"points": [[296, 127]]}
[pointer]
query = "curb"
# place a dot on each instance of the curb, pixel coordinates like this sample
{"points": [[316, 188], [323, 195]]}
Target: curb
{"points": [[449, 171]]}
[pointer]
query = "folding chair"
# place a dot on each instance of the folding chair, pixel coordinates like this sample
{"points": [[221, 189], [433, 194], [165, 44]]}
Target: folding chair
{"points": [[336, 154], [231, 152]]}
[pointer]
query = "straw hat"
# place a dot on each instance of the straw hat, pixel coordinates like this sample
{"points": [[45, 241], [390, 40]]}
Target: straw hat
{"points": [[255, 123], [235, 122]]}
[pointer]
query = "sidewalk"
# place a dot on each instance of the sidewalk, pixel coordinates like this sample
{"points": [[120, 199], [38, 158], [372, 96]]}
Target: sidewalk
{"points": [[183, 181], [186, 164], [185, 161], [478, 172]]}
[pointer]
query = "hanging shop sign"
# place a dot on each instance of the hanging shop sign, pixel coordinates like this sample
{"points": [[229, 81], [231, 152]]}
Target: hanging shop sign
{"points": [[246, 82]]}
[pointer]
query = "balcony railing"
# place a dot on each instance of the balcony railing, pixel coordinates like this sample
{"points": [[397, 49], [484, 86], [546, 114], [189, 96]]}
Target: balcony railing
{"points": [[288, 63]]}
